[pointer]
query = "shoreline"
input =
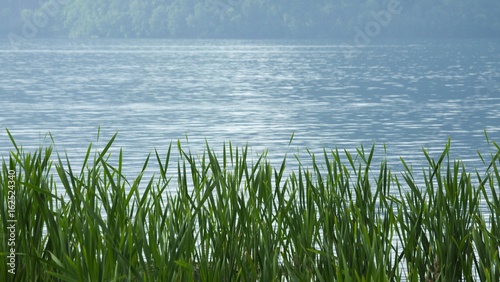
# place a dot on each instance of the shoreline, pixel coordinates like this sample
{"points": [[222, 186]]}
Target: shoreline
{"points": [[342, 218]]}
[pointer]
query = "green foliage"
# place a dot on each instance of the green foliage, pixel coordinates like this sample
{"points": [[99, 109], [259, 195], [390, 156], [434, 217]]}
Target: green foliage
{"points": [[251, 18], [237, 218]]}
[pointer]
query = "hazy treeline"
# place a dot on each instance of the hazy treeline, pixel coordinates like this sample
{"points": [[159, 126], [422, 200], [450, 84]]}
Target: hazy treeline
{"points": [[249, 18]]}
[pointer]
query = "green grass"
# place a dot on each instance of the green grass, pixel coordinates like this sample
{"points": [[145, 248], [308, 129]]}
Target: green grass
{"points": [[239, 218]]}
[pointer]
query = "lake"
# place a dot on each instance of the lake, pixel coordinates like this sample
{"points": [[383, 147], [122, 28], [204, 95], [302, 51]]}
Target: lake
{"points": [[407, 95]]}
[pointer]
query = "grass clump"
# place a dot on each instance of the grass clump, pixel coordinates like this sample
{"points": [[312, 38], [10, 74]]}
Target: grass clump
{"points": [[237, 218]]}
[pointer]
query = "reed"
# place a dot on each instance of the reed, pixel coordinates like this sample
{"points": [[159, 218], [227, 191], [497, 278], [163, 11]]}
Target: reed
{"points": [[238, 218]]}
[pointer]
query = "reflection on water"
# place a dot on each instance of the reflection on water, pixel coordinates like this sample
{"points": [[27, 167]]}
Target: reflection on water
{"points": [[255, 92]]}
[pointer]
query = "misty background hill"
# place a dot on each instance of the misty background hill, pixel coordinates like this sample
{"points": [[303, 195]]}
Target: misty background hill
{"points": [[322, 19]]}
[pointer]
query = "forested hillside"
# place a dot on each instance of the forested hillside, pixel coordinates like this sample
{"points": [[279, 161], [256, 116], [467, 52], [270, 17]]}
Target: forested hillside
{"points": [[249, 18]]}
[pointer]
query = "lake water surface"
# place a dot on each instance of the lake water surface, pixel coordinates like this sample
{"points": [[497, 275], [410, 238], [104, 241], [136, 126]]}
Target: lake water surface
{"points": [[407, 95]]}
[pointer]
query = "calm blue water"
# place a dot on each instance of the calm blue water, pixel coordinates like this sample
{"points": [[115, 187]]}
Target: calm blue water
{"points": [[407, 95]]}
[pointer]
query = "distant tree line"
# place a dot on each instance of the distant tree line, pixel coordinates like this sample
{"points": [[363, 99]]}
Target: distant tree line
{"points": [[249, 18]]}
